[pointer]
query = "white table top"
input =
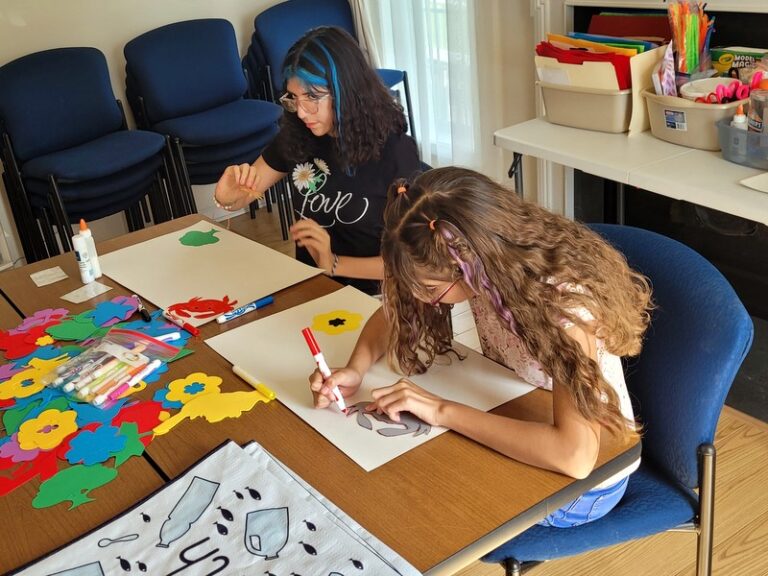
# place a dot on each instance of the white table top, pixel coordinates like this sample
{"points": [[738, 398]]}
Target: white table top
{"points": [[644, 161]]}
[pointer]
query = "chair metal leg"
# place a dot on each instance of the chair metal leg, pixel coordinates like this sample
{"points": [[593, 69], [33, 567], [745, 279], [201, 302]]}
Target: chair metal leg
{"points": [[46, 229], [188, 195], [706, 510], [281, 215], [60, 214], [511, 567], [407, 90], [175, 189], [516, 172]]}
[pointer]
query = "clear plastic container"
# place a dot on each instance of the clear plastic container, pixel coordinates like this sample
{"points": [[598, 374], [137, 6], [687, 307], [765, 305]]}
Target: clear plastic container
{"points": [[743, 147], [587, 108], [688, 123]]}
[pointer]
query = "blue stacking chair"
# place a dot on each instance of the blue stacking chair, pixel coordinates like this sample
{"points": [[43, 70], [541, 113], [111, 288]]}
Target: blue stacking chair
{"points": [[278, 27], [185, 81], [698, 337], [66, 150]]}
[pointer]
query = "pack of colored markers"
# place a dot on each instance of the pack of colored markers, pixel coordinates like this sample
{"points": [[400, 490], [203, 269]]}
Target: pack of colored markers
{"points": [[108, 370]]}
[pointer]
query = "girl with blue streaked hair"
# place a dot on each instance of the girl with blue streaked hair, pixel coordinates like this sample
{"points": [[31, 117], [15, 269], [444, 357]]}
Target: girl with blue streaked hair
{"points": [[342, 142]]}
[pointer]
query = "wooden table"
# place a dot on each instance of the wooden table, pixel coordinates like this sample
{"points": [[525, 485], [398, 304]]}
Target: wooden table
{"points": [[441, 506]]}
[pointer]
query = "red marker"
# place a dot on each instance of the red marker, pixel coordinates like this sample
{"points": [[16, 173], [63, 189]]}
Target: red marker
{"points": [[180, 323], [322, 365]]}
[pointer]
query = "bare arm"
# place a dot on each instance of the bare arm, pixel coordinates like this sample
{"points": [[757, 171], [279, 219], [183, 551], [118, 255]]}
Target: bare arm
{"points": [[240, 185], [569, 445]]}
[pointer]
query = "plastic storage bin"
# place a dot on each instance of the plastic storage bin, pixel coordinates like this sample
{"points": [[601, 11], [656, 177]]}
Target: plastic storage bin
{"points": [[743, 147], [588, 108], [687, 123]]}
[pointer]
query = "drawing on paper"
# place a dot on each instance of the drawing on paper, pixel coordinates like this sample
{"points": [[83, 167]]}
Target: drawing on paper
{"points": [[409, 423], [187, 511], [337, 321], [266, 532], [199, 238], [200, 309]]}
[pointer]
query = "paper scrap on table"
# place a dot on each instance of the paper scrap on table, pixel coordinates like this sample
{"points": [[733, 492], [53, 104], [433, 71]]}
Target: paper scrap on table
{"points": [[759, 182], [48, 276], [86, 292]]}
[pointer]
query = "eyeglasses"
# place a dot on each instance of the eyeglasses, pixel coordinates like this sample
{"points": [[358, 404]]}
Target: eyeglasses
{"points": [[310, 104], [444, 293]]}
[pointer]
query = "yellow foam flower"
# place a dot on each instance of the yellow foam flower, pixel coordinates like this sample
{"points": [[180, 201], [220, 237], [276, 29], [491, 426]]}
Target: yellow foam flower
{"points": [[44, 340], [337, 321], [197, 384], [29, 381], [48, 430]]}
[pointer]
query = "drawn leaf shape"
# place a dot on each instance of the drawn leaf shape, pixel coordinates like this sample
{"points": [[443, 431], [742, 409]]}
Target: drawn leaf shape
{"points": [[310, 526], [146, 517], [142, 566], [226, 513], [124, 564], [309, 548], [254, 493], [221, 529], [356, 563], [238, 494]]}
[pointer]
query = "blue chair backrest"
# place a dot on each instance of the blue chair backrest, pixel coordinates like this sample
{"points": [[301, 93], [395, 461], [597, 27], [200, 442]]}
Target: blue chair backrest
{"points": [[281, 25], [57, 99], [185, 68], [695, 344]]}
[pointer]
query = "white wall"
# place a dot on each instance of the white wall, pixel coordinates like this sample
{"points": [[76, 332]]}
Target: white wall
{"points": [[28, 26]]}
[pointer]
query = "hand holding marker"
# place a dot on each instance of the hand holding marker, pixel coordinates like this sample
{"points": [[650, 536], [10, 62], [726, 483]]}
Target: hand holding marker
{"points": [[322, 365]]}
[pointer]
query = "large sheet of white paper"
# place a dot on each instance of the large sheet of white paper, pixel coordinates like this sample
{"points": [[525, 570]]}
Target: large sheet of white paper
{"points": [[238, 511], [203, 262], [273, 351]]}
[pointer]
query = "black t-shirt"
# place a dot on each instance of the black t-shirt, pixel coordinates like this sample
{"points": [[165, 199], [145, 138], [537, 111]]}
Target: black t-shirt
{"points": [[349, 206]]}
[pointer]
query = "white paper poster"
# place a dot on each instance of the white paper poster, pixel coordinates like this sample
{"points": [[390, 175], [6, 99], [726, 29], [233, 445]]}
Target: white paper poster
{"points": [[238, 511], [202, 271], [273, 351]]}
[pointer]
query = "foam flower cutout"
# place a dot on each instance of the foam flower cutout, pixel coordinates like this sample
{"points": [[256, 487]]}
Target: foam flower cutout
{"points": [[95, 447], [29, 381], [41, 317], [160, 396], [44, 340], [12, 450], [47, 430], [337, 321], [197, 384]]}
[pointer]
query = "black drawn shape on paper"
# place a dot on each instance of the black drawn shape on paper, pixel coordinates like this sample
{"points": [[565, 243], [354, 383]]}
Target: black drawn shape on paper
{"points": [[221, 529], [92, 569], [356, 563], [310, 526], [266, 532], [238, 494], [335, 322], [268, 573], [410, 423], [254, 493], [308, 548], [226, 514], [141, 566], [146, 517], [197, 497], [104, 542], [187, 562], [124, 564], [335, 574]]}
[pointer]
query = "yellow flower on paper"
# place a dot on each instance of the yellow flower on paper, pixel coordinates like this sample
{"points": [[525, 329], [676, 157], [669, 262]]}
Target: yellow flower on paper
{"points": [[48, 430], [337, 321], [197, 384], [29, 381]]}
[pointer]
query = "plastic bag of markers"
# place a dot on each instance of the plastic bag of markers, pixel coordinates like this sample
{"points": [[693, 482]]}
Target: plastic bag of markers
{"points": [[103, 372]]}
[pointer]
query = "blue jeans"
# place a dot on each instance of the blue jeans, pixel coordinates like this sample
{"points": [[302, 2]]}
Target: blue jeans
{"points": [[587, 507]]}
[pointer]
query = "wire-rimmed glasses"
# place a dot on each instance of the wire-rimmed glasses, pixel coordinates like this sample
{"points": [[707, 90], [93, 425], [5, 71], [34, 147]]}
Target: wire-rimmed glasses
{"points": [[310, 104]]}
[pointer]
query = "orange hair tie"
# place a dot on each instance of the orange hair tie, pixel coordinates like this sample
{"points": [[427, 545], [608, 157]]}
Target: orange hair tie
{"points": [[432, 224], [402, 189]]}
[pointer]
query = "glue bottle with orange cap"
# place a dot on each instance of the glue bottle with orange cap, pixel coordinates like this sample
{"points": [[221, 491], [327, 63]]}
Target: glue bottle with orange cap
{"points": [[85, 232]]}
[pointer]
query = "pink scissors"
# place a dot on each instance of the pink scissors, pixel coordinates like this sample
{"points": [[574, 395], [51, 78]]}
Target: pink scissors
{"points": [[724, 94], [756, 78]]}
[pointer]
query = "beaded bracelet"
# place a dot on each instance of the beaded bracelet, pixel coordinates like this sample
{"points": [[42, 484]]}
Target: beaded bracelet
{"points": [[219, 204]]}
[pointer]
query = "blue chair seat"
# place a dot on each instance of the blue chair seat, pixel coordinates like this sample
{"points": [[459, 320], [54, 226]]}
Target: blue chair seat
{"points": [[98, 158], [252, 144], [233, 121], [650, 505], [96, 190]]}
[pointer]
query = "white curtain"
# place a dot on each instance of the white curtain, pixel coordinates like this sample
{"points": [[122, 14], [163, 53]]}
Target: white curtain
{"points": [[435, 42]]}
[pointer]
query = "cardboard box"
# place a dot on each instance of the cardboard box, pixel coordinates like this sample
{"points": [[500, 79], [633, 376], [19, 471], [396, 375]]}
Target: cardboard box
{"points": [[735, 57]]}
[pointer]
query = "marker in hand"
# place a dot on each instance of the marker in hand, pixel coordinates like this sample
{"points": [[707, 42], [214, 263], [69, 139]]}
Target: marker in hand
{"points": [[322, 365]]}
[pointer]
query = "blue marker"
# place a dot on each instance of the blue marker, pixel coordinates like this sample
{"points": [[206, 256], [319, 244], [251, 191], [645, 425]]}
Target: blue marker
{"points": [[237, 312]]}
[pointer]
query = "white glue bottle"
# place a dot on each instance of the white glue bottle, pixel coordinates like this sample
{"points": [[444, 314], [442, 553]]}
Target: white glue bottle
{"points": [[85, 232], [80, 246], [738, 135]]}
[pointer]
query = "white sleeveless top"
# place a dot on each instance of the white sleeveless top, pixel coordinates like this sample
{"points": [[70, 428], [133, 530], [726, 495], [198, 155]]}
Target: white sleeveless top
{"points": [[505, 347]]}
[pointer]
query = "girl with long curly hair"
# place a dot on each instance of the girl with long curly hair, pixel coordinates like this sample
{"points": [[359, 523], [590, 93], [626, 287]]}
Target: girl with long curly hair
{"points": [[551, 301], [342, 140]]}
